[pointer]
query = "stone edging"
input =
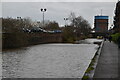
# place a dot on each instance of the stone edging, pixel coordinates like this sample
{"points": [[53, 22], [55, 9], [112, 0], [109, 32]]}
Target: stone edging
{"points": [[96, 57]]}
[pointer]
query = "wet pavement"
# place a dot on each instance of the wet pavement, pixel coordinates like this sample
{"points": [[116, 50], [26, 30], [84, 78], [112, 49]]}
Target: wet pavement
{"points": [[108, 63]]}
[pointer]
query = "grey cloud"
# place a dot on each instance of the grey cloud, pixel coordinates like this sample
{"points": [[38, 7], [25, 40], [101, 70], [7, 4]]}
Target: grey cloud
{"points": [[58, 10]]}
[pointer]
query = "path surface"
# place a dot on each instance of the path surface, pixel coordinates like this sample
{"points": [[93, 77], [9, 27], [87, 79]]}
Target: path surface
{"points": [[108, 62]]}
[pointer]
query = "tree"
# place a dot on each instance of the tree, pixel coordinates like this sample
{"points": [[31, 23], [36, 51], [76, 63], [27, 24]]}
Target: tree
{"points": [[68, 34], [81, 25], [52, 25], [72, 17], [27, 22], [10, 25]]}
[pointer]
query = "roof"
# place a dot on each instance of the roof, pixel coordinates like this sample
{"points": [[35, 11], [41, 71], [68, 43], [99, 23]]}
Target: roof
{"points": [[101, 17]]}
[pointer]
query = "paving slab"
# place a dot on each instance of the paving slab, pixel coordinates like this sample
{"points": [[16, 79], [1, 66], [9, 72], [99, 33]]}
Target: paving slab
{"points": [[108, 63]]}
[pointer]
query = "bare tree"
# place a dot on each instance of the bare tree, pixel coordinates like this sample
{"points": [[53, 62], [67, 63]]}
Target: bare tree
{"points": [[72, 17], [52, 25], [27, 22], [81, 25]]}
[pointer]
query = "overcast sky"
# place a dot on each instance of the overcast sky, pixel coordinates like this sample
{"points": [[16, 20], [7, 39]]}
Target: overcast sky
{"points": [[59, 0], [58, 10]]}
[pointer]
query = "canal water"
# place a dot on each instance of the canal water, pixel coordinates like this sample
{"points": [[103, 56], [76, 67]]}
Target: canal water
{"points": [[48, 61]]}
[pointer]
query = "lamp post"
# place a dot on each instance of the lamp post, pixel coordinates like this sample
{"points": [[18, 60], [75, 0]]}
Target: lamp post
{"points": [[65, 20], [43, 10], [19, 23]]}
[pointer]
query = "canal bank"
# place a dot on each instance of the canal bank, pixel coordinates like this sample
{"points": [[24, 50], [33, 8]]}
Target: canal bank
{"points": [[19, 40], [90, 71]]}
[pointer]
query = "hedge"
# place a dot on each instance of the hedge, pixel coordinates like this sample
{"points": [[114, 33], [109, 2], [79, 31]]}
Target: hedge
{"points": [[115, 37]]}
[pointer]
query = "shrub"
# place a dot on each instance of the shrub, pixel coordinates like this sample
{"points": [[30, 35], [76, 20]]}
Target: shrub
{"points": [[68, 35], [115, 37], [89, 69], [85, 78]]}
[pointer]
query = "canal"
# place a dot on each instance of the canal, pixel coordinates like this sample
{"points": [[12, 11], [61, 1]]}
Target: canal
{"points": [[48, 61]]}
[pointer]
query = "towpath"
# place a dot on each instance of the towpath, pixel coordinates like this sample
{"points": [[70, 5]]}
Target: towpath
{"points": [[108, 67]]}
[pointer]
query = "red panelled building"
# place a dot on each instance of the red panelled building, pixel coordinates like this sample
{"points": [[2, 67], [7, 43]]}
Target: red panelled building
{"points": [[101, 24]]}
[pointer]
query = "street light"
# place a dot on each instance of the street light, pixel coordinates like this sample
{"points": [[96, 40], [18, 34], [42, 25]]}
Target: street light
{"points": [[65, 20], [18, 17], [19, 22], [43, 10]]}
